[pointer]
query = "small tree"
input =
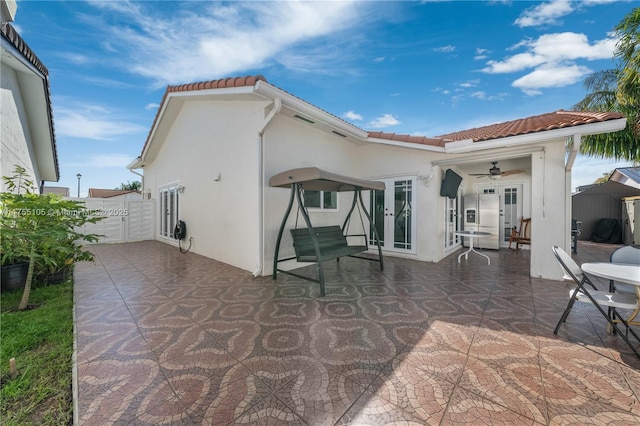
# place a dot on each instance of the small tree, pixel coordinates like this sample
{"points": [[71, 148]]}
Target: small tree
{"points": [[41, 228], [131, 186]]}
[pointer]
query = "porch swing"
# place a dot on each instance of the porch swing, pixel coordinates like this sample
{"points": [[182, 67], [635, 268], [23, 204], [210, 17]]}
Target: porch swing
{"points": [[319, 244]]}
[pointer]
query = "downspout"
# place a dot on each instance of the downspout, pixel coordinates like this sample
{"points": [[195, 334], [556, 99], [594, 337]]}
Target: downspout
{"points": [[141, 179], [277, 105], [139, 174], [575, 148]]}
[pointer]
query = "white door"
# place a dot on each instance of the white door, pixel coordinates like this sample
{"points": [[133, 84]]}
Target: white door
{"points": [[393, 214], [453, 221], [169, 201], [510, 208]]}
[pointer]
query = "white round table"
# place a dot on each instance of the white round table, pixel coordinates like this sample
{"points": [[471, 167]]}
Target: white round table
{"points": [[471, 235]]}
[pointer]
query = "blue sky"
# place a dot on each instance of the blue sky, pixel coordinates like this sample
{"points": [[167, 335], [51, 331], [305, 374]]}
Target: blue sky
{"points": [[422, 68]]}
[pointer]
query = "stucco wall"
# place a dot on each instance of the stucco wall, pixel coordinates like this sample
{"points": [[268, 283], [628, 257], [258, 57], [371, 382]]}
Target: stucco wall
{"points": [[290, 144], [14, 129], [548, 204], [211, 139], [207, 140]]}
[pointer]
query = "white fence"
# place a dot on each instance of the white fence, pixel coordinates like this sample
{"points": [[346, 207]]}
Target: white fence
{"points": [[125, 220]]}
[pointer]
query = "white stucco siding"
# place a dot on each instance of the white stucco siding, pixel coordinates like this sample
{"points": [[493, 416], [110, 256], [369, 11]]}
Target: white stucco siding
{"points": [[17, 148], [290, 144], [379, 161], [547, 209], [211, 140]]}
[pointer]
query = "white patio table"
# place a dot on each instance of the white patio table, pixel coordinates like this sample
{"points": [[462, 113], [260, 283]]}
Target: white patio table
{"points": [[471, 235], [621, 272]]}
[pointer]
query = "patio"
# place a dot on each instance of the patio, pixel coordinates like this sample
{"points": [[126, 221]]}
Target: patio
{"points": [[167, 338]]}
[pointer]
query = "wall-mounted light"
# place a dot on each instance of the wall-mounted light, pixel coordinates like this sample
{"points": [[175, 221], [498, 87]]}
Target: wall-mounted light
{"points": [[426, 179]]}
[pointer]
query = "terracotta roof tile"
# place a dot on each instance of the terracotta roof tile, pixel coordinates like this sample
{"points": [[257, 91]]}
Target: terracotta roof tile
{"points": [[250, 80], [421, 140], [539, 123], [11, 35], [549, 121]]}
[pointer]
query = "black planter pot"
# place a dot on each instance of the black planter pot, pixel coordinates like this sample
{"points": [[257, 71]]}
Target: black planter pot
{"points": [[56, 278], [14, 276]]}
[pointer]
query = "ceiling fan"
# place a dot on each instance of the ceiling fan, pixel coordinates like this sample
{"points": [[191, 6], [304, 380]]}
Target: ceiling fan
{"points": [[495, 173]]}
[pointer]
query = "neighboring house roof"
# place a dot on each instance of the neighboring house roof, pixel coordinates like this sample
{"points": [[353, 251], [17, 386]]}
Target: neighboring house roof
{"points": [[42, 129], [452, 142], [629, 176], [611, 189], [108, 193], [60, 190]]}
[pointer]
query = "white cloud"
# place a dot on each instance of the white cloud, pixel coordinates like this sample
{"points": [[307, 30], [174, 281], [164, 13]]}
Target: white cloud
{"points": [[545, 13], [385, 120], [350, 115], [218, 40], [89, 121], [550, 76], [102, 161], [379, 59], [152, 105], [470, 83], [445, 49], [552, 58]]}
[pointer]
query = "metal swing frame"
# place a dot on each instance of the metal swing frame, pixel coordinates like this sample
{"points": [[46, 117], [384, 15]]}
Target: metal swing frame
{"points": [[315, 179]]}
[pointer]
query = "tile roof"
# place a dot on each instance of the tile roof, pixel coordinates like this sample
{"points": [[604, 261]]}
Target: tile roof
{"points": [[108, 193], [539, 123], [11, 35], [249, 80], [550, 121]]}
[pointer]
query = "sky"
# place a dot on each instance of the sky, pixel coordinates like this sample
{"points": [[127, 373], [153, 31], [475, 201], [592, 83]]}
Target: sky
{"points": [[421, 68]]}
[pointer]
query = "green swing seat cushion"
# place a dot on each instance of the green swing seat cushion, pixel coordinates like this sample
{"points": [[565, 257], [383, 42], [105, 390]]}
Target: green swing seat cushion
{"points": [[333, 244]]}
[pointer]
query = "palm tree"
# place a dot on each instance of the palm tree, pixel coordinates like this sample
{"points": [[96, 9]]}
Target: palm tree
{"points": [[617, 90]]}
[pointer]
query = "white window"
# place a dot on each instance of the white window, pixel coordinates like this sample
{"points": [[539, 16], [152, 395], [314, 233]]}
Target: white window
{"points": [[321, 200]]}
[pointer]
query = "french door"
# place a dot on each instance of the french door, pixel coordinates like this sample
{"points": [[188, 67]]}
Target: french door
{"points": [[453, 222], [393, 215], [510, 208], [169, 208]]}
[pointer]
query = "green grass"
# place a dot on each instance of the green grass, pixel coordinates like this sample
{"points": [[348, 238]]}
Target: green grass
{"points": [[41, 341]]}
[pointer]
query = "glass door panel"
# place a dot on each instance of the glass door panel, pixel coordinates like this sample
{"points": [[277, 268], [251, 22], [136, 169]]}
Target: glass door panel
{"points": [[393, 216], [402, 220], [169, 201]]}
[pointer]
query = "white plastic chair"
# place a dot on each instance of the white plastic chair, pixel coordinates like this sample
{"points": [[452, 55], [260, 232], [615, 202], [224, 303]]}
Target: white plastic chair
{"points": [[598, 298], [630, 255]]}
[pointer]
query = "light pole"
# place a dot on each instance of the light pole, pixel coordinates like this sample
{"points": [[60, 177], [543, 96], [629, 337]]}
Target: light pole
{"points": [[78, 176]]}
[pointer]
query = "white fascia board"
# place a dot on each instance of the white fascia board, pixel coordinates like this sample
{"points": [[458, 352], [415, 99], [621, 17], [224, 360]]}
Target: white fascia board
{"points": [[310, 111], [185, 94], [15, 54], [503, 154], [135, 164], [408, 145], [532, 138]]}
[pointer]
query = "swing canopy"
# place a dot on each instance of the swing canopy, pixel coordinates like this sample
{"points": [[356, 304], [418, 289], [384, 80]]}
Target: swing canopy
{"points": [[315, 179], [319, 244]]}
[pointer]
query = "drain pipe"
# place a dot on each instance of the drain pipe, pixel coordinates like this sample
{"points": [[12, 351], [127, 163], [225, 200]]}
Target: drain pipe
{"points": [[277, 105]]}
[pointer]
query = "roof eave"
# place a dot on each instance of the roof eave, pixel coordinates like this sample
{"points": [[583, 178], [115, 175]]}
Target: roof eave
{"points": [[38, 107], [468, 145], [306, 109], [410, 145], [169, 96]]}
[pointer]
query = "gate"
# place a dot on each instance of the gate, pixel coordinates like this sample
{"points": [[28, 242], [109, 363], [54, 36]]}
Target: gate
{"points": [[124, 220]]}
